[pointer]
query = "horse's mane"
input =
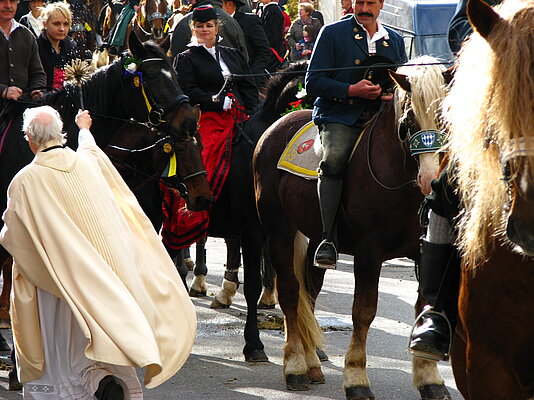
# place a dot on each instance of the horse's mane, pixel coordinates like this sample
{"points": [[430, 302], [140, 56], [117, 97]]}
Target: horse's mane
{"points": [[427, 85], [274, 99], [491, 101]]}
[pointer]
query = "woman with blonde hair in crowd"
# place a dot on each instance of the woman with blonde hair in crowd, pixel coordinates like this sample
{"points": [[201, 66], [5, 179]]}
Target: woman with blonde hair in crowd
{"points": [[296, 31], [56, 48]]}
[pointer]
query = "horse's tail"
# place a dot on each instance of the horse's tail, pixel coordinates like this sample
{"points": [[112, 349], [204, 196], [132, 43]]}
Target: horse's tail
{"points": [[310, 332]]}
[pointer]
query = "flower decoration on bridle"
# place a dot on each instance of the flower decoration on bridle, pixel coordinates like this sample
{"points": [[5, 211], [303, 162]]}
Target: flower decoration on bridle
{"points": [[131, 65]]}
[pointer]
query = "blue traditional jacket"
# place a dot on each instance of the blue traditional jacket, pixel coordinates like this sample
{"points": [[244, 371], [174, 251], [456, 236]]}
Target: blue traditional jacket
{"points": [[343, 44]]}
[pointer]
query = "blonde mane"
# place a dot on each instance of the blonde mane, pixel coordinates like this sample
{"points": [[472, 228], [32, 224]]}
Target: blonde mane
{"points": [[428, 88], [490, 102]]}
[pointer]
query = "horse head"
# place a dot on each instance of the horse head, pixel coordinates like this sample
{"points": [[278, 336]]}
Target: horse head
{"points": [[420, 89], [513, 129], [169, 112], [154, 16], [490, 119]]}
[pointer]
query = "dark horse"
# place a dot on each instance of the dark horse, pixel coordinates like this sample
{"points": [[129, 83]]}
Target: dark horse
{"points": [[376, 222], [234, 213], [491, 147], [115, 98]]}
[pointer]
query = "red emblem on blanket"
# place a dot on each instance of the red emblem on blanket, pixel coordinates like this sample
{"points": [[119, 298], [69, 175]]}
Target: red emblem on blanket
{"points": [[305, 146]]}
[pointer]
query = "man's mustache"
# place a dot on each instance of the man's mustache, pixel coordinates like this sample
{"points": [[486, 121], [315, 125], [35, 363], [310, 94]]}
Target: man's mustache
{"points": [[364, 14]]}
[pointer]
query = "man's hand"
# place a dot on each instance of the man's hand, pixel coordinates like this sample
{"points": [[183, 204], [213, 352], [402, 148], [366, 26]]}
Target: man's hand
{"points": [[83, 119], [37, 94], [364, 89], [12, 92]]}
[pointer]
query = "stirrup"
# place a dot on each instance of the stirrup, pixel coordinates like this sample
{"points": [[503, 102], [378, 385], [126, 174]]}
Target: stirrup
{"points": [[322, 265], [427, 355]]}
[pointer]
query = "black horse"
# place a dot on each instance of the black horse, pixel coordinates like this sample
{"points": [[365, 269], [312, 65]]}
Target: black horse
{"points": [[149, 97], [234, 213]]}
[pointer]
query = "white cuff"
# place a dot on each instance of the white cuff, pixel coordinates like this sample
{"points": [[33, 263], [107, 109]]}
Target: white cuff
{"points": [[227, 103], [85, 137]]}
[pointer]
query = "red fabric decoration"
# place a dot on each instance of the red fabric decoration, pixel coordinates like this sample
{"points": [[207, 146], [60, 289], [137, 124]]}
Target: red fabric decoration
{"points": [[182, 227]]}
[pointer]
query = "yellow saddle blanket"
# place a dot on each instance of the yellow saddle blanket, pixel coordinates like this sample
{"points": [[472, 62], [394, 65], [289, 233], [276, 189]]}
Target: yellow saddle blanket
{"points": [[303, 153]]}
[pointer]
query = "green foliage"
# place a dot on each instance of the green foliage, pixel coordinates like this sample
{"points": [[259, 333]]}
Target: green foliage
{"points": [[292, 7]]}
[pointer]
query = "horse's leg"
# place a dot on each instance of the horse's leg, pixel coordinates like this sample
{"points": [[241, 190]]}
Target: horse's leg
{"points": [[177, 257], [198, 287], [301, 363], [268, 295], [314, 283], [355, 381], [5, 320], [426, 377], [189, 263], [230, 283], [251, 244]]}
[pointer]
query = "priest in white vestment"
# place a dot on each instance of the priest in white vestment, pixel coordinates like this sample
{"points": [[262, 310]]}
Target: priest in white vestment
{"points": [[94, 292]]}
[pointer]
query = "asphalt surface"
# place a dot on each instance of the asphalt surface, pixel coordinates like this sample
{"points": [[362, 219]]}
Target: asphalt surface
{"points": [[216, 368]]}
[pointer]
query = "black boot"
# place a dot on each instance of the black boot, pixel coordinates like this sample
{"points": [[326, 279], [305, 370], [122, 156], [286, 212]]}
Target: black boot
{"points": [[438, 283], [109, 389], [329, 191]]}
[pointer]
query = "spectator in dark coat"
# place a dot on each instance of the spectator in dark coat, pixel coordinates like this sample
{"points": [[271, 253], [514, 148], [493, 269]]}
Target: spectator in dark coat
{"points": [[273, 23], [20, 66], [257, 43]]}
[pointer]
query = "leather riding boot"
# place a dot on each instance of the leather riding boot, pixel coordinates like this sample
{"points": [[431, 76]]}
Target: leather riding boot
{"points": [[109, 389], [329, 191], [438, 283]]}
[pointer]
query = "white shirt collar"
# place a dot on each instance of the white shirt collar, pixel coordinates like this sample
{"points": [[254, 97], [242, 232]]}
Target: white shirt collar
{"points": [[14, 25]]}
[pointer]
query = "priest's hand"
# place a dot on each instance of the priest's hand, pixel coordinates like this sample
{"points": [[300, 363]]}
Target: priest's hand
{"points": [[83, 120]]}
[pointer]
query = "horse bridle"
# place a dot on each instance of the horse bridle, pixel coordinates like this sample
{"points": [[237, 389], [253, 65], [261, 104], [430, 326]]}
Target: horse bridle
{"points": [[156, 112], [516, 147], [176, 181]]}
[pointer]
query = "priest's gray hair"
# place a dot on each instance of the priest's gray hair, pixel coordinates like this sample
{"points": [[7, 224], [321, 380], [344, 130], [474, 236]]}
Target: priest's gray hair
{"points": [[43, 124]]}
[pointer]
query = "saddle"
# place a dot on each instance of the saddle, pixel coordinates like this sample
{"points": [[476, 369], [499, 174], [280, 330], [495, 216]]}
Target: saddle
{"points": [[304, 152]]}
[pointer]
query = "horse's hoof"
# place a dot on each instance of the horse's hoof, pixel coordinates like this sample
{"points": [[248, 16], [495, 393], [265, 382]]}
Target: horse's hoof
{"points": [[297, 382], [197, 293], [256, 356], [434, 392], [316, 375], [218, 305], [321, 354], [264, 306], [359, 393], [190, 264]]}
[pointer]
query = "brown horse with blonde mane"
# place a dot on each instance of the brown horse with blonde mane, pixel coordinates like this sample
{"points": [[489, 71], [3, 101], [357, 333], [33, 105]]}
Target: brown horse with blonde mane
{"points": [[378, 221], [490, 116]]}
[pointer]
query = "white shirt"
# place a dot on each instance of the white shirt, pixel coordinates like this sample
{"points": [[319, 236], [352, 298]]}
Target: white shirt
{"points": [[381, 33], [14, 25], [36, 23]]}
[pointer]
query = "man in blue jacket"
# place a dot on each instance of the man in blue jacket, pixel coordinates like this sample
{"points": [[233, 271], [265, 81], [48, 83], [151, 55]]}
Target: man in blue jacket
{"points": [[345, 101]]}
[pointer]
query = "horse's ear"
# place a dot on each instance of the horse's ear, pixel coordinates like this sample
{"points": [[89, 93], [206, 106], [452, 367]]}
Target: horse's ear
{"points": [[401, 80], [448, 74], [482, 17], [134, 44], [166, 44], [196, 112]]}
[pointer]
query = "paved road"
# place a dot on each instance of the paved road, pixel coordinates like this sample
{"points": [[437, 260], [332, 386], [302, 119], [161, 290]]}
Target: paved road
{"points": [[216, 368]]}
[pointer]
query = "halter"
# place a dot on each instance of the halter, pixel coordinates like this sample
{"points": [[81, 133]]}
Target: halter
{"points": [[155, 110], [516, 147], [175, 181]]}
